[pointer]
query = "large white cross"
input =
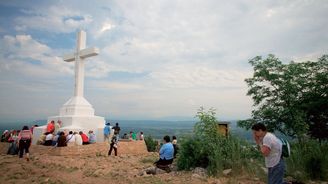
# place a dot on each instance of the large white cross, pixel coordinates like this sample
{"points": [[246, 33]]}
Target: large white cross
{"points": [[79, 56]]}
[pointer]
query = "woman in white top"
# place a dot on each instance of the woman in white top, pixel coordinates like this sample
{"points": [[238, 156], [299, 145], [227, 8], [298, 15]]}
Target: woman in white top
{"points": [[49, 137], [78, 139], [70, 138]]}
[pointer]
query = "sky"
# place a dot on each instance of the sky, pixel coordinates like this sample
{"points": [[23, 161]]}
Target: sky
{"points": [[160, 59]]}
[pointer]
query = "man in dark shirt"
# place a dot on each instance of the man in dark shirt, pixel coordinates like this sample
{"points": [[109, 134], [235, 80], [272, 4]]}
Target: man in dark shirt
{"points": [[116, 129]]}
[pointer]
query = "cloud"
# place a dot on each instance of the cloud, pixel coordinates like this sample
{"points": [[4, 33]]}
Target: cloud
{"points": [[21, 54], [195, 76], [56, 18], [22, 46], [106, 26], [117, 86], [157, 58], [97, 69]]}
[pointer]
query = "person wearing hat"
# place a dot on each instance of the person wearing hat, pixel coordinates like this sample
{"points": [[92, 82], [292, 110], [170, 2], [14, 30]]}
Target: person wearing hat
{"points": [[106, 132]]}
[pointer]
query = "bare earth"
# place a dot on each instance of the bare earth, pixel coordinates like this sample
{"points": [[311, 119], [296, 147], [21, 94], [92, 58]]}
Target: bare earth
{"points": [[96, 168]]}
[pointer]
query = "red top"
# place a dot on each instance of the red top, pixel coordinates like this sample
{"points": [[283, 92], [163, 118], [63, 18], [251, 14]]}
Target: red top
{"points": [[50, 127], [84, 138]]}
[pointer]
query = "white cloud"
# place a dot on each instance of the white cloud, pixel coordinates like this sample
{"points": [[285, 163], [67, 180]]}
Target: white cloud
{"points": [[106, 27], [24, 55], [194, 76], [60, 19], [96, 68], [117, 86], [192, 53]]}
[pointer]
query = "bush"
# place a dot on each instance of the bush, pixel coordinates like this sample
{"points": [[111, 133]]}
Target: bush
{"points": [[208, 149], [151, 143], [308, 160], [192, 154]]}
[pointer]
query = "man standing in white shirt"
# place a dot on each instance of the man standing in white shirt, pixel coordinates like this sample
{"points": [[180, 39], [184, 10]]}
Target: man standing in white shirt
{"points": [[270, 147]]}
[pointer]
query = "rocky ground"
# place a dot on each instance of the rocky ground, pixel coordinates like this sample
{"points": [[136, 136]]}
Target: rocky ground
{"points": [[91, 164], [122, 169]]}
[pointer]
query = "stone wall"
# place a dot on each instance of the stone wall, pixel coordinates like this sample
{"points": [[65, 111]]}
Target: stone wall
{"points": [[124, 148]]}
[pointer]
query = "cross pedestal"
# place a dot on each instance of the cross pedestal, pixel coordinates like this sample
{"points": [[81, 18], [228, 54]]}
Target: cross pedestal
{"points": [[77, 114]]}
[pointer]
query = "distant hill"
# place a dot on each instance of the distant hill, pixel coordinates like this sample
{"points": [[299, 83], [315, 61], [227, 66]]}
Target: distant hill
{"points": [[155, 128]]}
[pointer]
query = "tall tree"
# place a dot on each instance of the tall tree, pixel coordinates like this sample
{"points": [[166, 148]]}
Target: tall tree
{"points": [[291, 98]]}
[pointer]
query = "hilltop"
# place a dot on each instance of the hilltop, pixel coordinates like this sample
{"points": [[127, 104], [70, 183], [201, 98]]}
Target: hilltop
{"points": [[96, 168]]}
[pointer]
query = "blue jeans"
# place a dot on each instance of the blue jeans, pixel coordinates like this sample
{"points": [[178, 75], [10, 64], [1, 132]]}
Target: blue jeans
{"points": [[276, 173]]}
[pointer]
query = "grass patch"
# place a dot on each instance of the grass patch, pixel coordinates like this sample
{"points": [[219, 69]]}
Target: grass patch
{"points": [[308, 161], [148, 160]]}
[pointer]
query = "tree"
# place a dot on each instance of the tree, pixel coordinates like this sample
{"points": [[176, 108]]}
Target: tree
{"points": [[291, 98]]}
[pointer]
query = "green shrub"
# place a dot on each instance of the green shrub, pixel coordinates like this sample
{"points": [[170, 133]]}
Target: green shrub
{"points": [[308, 160], [208, 149], [192, 154], [151, 143]]}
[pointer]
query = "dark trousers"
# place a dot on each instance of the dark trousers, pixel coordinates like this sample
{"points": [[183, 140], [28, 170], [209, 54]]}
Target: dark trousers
{"points": [[175, 150], [48, 143], [162, 163], [24, 145], [111, 149]]}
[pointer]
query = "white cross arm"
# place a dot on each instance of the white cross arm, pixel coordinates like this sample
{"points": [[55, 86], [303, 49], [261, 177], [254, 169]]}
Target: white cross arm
{"points": [[84, 53], [69, 57], [93, 51]]}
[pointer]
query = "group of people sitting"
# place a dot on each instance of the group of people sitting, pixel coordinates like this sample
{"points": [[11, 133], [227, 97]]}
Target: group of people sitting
{"points": [[133, 136], [62, 138], [12, 138], [54, 137], [20, 141]]}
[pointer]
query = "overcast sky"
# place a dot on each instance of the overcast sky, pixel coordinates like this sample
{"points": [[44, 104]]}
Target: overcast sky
{"points": [[158, 59]]}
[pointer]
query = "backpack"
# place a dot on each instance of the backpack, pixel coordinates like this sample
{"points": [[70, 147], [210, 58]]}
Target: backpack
{"points": [[285, 151]]}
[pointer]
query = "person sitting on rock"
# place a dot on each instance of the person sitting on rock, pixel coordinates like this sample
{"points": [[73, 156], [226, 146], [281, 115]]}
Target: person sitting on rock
{"points": [[5, 136], [175, 145], [133, 136], [70, 139], [42, 139], [78, 139], [92, 137], [51, 127], [49, 137], [141, 136], [13, 146], [85, 138], [61, 140], [125, 136], [166, 154], [55, 139], [57, 126]]}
